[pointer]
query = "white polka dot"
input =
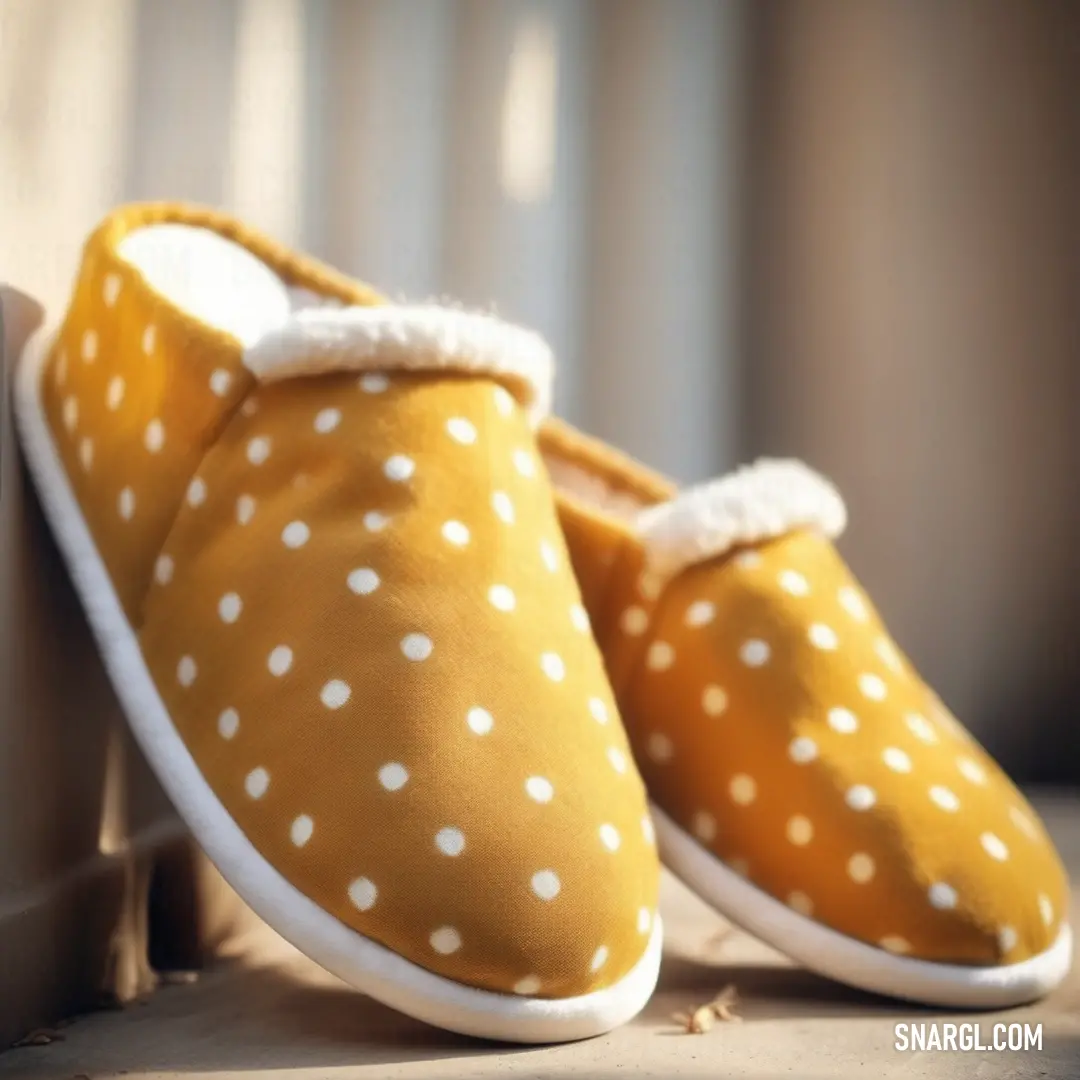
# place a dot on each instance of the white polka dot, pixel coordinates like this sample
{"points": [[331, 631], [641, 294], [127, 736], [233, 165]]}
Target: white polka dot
{"points": [[393, 776], [335, 693], [598, 710], [553, 666], [375, 521], [363, 581], [461, 430], [873, 687], [295, 535], [994, 846], [89, 348], [609, 837], [280, 660], [502, 597], [1023, 822], [126, 504], [971, 770], [888, 655], [799, 830], [860, 797], [149, 339], [700, 613], [154, 436], [660, 747], [748, 560], [114, 393], [920, 727], [503, 507], [220, 381], [524, 462], [163, 569], [399, 468], [896, 759], [802, 749], [362, 893], [791, 581], [539, 789], [823, 637], [549, 556], [755, 652], [800, 902], [942, 896], [703, 826], [843, 721], [743, 789], [644, 920], [196, 492], [650, 585], [1046, 909], [1007, 939], [895, 944], [86, 453], [503, 401], [617, 759], [944, 798], [229, 607], [373, 382], [245, 509], [599, 958], [852, 602], [416, 646], [258, 449], [714, 700], [456, 533], [861, 868], [326, 420], [660, 656], [110, 289], [634, 621], [546, 884], [186, 671], [450, 841], [648, 831], [579, 618], [228, 723], [70, 413], [301, 829], [256, 782], [527, 986], [479, 720]]}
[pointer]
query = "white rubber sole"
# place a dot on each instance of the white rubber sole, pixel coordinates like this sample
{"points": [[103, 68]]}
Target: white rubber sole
{"points": [[357, 960], [843, 958]]}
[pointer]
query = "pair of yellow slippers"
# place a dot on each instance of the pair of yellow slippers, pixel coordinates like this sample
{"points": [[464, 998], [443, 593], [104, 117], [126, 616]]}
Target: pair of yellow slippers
{"points": [[438, 682]]}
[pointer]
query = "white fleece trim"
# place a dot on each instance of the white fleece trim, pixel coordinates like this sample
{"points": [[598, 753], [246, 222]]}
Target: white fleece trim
{"points": [[754, 503], [358, 960], [840, 957], [394, 337]]}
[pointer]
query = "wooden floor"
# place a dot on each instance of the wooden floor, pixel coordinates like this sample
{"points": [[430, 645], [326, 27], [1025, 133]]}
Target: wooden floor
{"points": [[275, 1014]]}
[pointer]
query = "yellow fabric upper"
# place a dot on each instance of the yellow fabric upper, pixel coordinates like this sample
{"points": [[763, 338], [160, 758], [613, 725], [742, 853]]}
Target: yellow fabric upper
{"points": [[352, 593], [775, 720]]}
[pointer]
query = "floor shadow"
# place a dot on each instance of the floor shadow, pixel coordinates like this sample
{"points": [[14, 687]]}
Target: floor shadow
{"points": [[765, 992]]}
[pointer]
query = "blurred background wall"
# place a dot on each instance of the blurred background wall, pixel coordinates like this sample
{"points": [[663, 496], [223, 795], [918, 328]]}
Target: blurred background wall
{"points": [[847, 231]]}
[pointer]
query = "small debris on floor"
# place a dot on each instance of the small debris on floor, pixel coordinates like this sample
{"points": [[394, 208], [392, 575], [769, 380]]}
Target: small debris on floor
{"points": [[704, 1017], [178, 978], [40, 1037]]}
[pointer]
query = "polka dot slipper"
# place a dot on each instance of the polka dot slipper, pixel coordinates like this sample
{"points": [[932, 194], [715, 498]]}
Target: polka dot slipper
{"points": [[804, 779], [321, 557]]}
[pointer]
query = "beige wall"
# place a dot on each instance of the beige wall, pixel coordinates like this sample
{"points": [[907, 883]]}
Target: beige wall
{"points": [[915, 329]]}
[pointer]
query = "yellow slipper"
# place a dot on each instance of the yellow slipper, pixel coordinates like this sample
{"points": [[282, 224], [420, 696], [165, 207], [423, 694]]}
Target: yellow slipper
{"points": [[321, 556], [804, 779]]}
